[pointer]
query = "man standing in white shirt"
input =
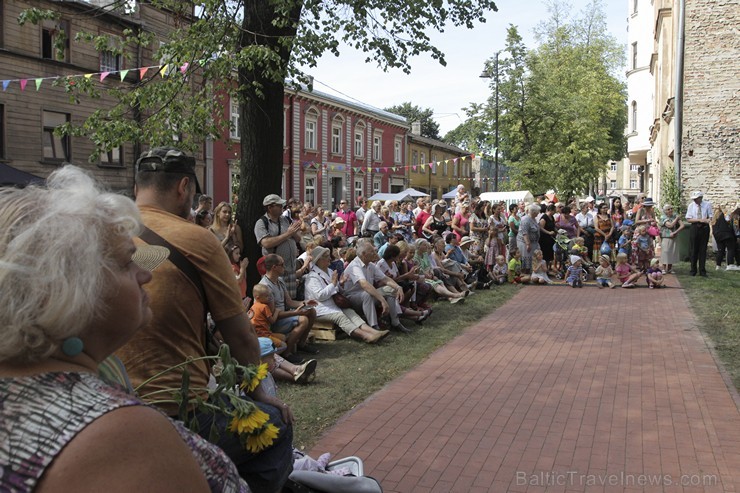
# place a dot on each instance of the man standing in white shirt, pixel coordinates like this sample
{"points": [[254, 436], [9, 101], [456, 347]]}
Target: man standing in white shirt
{"points": [[698, 215]]}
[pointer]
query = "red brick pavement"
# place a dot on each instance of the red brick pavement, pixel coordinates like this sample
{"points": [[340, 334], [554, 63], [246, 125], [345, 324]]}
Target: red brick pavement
{"points": [[558, 390]]}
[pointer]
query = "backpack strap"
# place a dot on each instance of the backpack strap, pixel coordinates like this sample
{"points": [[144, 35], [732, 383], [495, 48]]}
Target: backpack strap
{"points": [[266, 222]]}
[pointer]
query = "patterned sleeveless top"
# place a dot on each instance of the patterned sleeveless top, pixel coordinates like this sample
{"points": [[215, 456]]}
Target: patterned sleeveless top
{"points": [[40, 414]]}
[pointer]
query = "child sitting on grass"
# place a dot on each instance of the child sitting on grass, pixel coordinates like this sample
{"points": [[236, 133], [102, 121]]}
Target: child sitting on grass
{"points": [[515, 269], [575, 272], [604, 273], [281, 369], [539, 269], [500, 271], [627, 274], [654, 275]]}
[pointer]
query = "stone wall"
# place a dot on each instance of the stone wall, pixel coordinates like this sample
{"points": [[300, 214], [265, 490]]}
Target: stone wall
{"points": [[711, 140]]}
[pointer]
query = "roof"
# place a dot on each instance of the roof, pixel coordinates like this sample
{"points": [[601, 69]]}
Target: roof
{"points": [[356, 105], [437, 143]]}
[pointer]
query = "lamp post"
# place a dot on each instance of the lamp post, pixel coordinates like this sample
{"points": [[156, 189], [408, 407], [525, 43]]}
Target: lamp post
{"points": [[487, 75]]}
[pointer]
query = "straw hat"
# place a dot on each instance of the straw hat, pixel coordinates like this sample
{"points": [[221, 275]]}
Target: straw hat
{"points": [[149, 257], [466, 240]]}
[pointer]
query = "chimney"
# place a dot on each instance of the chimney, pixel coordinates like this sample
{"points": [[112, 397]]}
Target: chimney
{"points": [[416, 128]]}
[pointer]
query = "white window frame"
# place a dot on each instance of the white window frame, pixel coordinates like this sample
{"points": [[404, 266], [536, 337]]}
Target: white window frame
{"points": [[415, 160], [634, 168], [633, 184], [634, 55], [614, 166], [376, 185], [110, 61], [359, 187], [311, 130], [634, 116], [337, 131], [455, 168], [359, 140], [397, 150], [113, 157], [234, 119], [309, 188], [612, 184], [377, 146], [285, 129]]}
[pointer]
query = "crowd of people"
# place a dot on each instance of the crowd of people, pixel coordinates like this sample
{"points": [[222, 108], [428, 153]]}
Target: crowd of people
{"points": [[103, 294]]}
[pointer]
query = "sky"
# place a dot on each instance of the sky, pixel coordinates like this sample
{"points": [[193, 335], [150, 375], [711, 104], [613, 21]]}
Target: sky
{"points": [[447, 90]]}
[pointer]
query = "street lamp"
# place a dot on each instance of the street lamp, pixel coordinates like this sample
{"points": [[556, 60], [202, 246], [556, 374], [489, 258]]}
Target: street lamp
{"points": [[487, 75]]}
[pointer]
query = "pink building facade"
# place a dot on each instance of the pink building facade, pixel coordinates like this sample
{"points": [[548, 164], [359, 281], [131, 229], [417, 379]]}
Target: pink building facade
{"points": [[333, 149]]}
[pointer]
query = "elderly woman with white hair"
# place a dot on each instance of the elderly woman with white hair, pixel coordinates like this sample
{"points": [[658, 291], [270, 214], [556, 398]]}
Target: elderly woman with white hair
{"points": [[670, 225], [528, 236], [71, 282], [322, 285]]}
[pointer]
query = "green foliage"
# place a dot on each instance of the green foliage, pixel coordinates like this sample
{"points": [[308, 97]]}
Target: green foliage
{"points": [[562, 110], [412, 113], [670, 192], [475, 134]]}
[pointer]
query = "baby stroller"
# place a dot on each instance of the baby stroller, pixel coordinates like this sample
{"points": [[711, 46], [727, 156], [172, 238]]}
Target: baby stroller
{"points": [[561, 248]]}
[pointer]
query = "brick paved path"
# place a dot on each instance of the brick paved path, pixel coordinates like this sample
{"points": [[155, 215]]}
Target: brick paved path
{"points": [[557, 383]]}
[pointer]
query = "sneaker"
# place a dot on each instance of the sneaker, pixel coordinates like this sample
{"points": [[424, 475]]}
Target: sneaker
{"points": [[305, 371], [457, 300], [308, 349]]}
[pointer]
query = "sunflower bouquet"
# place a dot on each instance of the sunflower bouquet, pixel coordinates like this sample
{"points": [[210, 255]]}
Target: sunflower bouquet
{"points": [[248, 421]]}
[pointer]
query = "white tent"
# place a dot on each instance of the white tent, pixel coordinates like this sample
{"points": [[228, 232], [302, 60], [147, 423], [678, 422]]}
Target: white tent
{"points": [[451, 194], [415, 193], [508, 197], [401, 197]]}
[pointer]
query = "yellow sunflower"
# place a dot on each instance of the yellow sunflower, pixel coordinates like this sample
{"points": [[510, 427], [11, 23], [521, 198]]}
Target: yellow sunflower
{"points": [[257, 442], [248, 423], [258, 377]]}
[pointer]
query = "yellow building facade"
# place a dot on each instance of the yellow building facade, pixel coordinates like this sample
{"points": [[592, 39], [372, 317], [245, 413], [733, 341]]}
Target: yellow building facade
{"points": [[436, 167]]}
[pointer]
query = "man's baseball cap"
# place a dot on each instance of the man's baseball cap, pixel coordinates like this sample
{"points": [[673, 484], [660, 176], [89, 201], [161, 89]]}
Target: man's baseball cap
{"points": [[272, 199], [167, 160]]}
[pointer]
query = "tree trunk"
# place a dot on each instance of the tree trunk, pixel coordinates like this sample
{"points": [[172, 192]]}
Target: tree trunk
{"points": [[261, 123]]}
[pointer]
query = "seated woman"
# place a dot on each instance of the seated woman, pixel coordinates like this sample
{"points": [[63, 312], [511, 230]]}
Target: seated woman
{"points": [[321, 285], [71, 431], [454, 274], [433, 275], [408, 267], [388, 266]]}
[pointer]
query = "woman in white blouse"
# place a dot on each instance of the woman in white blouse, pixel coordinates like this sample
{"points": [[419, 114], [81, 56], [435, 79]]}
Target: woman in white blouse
{"points": [[321, 285]]}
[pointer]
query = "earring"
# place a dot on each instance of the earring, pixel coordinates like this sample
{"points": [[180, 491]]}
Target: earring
{"points": [[72, 346]]}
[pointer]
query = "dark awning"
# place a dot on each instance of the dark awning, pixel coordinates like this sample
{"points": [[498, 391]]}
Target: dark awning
{"points": [[12, 177]]}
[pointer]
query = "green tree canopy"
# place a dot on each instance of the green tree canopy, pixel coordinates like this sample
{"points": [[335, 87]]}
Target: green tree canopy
{"points": [[413, 113]]}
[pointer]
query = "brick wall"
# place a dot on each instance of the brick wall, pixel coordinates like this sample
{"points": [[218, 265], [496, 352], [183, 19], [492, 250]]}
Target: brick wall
{"points": [[711, 140]]}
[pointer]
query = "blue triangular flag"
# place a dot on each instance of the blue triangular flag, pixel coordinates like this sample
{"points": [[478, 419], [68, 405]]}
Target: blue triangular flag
{"points": [[6, 83]]}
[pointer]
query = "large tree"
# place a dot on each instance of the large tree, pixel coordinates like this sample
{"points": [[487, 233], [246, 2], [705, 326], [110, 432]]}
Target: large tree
{"points": [[413, 113], [562, 109], [263, 42]]}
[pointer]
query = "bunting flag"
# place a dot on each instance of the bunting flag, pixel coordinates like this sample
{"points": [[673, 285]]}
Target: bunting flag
{"points": [[6, 83], [38, 83], [88, 76], [184, 68], [142, 71], [123, 74], [23, 84], [163, 70], [103, 75]]}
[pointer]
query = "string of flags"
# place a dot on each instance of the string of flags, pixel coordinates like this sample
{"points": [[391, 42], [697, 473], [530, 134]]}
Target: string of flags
{"points": [[163, 71], [385, 169]]}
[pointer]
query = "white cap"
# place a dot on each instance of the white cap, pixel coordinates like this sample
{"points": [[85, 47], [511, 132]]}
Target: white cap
{"points": [[696, 194]]}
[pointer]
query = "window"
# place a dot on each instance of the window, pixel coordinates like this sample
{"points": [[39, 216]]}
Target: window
{"points": [[310, 189], [360, 140], [165, 59], [376, 186], [55, 37], [612, 184], [613, 166], [285, 130], [454, 168], [634, 116], [111, 157], [2, 130], [415, 160], [397, 148], [310, 126], [634, 167], [337, 125], [111, 60], [377, 147], [634, 55], [358, 187], [234, 119], [633, 184], [56, 147]]}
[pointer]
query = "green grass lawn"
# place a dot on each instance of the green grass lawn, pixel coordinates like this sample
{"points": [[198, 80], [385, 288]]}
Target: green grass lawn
{"points": [[716, 302], [350, 371]]}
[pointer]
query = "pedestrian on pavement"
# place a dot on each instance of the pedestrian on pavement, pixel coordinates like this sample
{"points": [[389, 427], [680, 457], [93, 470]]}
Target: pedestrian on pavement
{"points": [[698, 215]]}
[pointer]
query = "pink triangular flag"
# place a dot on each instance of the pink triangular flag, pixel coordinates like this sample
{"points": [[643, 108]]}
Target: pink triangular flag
{"points": [[103, 75], [184, 67], [414, 168], [142, 72], [23, 84]]}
